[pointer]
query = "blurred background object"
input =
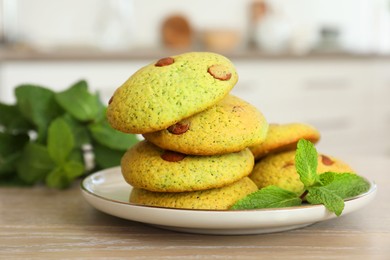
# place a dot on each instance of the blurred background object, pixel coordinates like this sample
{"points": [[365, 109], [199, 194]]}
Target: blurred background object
{"points": [[329, 39], [114, 25], [221, 40], [273, 30], [177, 32], [9, 22], [257, 11]]}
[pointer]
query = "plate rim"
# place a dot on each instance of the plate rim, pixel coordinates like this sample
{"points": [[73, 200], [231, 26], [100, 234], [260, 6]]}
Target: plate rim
{"points": [[373, 188], [218, 222]]}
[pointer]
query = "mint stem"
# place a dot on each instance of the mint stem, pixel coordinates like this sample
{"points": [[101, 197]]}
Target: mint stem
{"points": [[302, 197]]}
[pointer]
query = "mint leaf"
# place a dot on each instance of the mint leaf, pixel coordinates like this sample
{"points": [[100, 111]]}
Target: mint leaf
{"points": [[56, 178], [37, 104], [60, 141], [12, 120], [345, 185], [35, 163], [268, 197], [78, 102], [10, 151], [10, 143], [326, 196], [73, 170], [8, 164], [105, 135], [13, 180], [79, 131], [62, 176], [106, 157], [306, 163]]}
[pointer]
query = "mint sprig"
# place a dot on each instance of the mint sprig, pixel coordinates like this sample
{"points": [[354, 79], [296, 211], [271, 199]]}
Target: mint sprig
{"points": [[329, 188], [44, 135]]}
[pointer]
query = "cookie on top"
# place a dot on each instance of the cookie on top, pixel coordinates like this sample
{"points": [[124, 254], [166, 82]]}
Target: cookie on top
{"points": [[170, 90]]}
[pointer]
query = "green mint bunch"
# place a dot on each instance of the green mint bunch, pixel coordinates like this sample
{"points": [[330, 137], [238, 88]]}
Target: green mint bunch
{"points": [[329, 188], [45, 136]]}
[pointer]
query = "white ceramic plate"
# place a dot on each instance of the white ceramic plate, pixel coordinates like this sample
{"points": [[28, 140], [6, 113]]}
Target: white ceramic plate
{"points": [[108, 192]]}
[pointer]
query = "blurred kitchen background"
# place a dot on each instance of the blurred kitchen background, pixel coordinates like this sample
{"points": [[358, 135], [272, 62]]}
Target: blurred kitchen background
{"points": [[323, 62]]}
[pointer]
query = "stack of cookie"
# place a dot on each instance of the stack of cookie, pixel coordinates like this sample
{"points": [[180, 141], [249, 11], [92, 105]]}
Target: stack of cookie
{"points": [[195, 153]]}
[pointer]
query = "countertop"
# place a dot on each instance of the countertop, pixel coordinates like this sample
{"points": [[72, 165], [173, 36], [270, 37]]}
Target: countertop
{"points": [[41, 223], [25, 53]]}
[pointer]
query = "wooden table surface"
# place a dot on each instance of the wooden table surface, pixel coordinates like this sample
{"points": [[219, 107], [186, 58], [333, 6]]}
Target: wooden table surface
{"points": [[40, 223]]}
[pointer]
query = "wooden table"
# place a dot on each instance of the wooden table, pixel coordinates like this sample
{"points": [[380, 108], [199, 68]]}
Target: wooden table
{"points": [[40, 223]]}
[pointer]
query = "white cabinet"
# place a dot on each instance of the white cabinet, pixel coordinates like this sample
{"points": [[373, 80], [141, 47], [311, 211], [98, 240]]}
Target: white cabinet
{"points": [[381, 107], [336, 96], [309, 90]]}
